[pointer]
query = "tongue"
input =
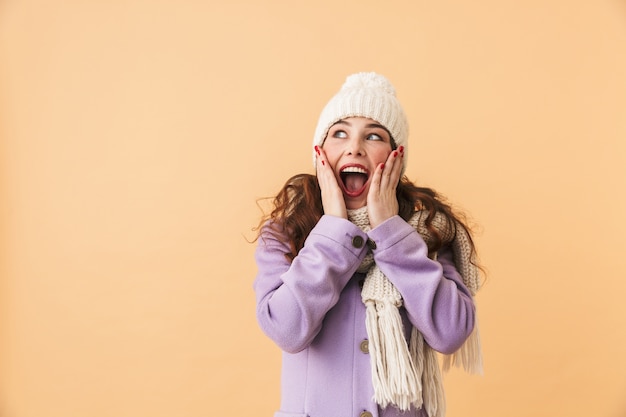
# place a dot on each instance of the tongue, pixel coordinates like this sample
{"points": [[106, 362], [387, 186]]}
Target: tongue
{"points": [[354, 182]]}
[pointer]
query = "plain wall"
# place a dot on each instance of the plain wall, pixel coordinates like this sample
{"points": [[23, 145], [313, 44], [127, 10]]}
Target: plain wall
{"points": [[138, 135]]}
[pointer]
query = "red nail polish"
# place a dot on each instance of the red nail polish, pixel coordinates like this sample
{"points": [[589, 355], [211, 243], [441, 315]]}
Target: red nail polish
{"points": [[323, 162], [401, 148], [382, 166], [317, 149], [395, 153]]}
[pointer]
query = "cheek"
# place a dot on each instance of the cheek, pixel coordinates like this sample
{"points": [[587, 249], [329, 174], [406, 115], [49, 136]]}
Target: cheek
{"points": [[331, 153], [382, 155]]}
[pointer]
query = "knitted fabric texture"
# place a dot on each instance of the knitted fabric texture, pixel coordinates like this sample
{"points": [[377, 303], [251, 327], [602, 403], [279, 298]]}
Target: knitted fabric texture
{"points": [[409, 375], [370, 95]]}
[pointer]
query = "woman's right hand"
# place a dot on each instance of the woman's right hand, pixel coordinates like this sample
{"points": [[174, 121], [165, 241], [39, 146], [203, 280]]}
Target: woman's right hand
{"points": [[332, 196]]}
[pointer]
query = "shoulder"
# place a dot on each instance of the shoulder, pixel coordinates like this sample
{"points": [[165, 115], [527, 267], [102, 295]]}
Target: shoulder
{"points": [[273, 230]]}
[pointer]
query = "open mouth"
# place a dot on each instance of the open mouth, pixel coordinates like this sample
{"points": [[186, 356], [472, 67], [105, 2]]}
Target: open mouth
{"points": [[354, 179]]}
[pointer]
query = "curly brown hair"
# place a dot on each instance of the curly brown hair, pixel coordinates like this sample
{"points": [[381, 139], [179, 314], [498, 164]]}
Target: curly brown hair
{"points": [[298, 208]]}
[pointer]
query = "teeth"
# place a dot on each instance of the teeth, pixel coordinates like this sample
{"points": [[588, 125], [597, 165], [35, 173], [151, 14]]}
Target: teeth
{"points": [[354, 169]]}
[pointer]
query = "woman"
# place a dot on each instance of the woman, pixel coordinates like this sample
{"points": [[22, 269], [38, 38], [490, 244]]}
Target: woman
{"points": [[363, 276]]}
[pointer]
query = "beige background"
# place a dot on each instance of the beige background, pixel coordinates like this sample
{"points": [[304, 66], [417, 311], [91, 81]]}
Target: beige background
{"points": [[137, 136]]}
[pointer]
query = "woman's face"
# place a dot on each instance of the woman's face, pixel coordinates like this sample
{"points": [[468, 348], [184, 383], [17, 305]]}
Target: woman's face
{"points": [[355, 147]]}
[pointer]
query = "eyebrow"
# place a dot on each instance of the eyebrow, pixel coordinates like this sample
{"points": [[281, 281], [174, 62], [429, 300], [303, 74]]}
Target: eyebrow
{"points": [[369, 125], [372, 125]]}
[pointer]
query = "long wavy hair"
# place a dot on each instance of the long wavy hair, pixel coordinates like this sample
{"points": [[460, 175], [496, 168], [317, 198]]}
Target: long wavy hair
{"points": [[298, 208]]}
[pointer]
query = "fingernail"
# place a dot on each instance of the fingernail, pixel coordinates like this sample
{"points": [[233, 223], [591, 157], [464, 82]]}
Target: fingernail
{"points": [[382, 166], [401, 148], [317, 149], [395, 153], [323, 163]]}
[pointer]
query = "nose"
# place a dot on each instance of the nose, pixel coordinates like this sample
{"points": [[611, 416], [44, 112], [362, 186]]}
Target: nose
{"points": [[354, 146]]}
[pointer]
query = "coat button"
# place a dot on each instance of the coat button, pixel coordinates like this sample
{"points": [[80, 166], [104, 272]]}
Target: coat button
{"points": [[357, 241], [365, 414], [365, 346]]}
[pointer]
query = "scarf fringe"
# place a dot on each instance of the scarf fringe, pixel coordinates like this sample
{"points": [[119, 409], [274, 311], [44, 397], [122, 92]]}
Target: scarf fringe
{"points": [[433, 397], [394, 375], [469, 356]]}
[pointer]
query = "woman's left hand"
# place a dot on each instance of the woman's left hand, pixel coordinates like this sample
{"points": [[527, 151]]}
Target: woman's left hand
{"points": [[382, 202]]}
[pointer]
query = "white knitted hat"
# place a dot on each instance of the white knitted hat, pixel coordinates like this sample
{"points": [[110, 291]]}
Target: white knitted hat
{"points": [[365, 94]]}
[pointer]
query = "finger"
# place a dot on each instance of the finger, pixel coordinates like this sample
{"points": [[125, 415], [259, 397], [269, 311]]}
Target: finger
{"points": [[375, 185], [390, 174], [322, 167], [398, 167], [319, 158], [396, 172]]}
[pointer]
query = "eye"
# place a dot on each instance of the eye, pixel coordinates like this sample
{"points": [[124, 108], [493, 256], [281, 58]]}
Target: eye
{"points": [[374, 136], [340, 134]]}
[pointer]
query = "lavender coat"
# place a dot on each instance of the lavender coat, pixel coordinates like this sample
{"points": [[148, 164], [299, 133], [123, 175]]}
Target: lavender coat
{"points": [[312, 309]]}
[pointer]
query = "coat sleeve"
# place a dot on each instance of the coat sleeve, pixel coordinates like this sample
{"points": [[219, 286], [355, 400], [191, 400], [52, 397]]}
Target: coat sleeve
{"points": [[437, 302], [293, 297]]}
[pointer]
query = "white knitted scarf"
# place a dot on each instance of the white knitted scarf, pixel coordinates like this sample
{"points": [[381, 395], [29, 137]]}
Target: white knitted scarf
{"points": [[409, 375]]}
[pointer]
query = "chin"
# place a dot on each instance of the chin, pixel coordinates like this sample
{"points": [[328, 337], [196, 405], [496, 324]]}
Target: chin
{"points": [[355, 204]]}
